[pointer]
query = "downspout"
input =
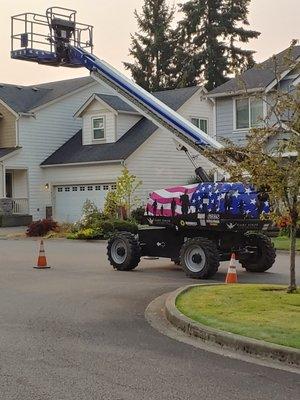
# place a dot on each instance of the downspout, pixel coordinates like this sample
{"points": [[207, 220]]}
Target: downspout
{"points": [[2, 179]]}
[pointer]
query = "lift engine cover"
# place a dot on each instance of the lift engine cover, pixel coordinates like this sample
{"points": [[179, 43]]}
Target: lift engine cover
{"points": [[206, 204]]}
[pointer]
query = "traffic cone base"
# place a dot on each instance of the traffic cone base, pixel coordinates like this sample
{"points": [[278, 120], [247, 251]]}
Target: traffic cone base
{"points": [[42, 261], [231, 276]]}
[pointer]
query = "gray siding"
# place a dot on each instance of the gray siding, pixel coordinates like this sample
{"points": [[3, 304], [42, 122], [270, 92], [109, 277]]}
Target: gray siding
{"points": [[225, 122]]}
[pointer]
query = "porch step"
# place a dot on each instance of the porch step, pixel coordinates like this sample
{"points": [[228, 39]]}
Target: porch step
{"points": [[15, 220]]}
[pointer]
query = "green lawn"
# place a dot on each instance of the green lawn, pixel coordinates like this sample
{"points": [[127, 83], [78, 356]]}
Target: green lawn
{"points": [[265, 312], [283, 243]]}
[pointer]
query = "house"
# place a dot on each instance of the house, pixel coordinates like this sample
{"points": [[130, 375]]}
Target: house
{"points": [[238, 107], [64, 142]]}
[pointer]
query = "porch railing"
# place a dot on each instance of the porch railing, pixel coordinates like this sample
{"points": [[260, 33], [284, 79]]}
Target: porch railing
{"points": [[20, 206]]}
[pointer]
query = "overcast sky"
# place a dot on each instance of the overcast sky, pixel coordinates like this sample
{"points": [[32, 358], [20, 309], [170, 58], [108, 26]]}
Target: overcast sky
{"points": [[277, 20]]}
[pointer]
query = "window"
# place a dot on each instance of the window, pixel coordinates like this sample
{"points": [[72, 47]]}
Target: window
{"points": [[74, 188], [59, 189], [113, 187], [67, 189], [105, 187], [90, 188], [200, 123], [82, 188], [98, 126], [249, 112], [97, 187]]}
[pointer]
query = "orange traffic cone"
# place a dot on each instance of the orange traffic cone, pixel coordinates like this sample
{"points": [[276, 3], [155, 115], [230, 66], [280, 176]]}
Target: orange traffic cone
{"points": [[231, 276], [42, 261]]}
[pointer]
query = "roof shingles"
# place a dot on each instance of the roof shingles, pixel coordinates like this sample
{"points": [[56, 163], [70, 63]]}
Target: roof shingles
{"points": [[258, 77]]}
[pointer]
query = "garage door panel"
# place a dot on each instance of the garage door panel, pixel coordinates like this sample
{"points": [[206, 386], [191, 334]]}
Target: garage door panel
{"points": [[69, 199]]}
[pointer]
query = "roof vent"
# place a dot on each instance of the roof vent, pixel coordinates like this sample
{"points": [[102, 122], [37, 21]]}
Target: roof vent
{"points": [[35, 89], [19, 87]]}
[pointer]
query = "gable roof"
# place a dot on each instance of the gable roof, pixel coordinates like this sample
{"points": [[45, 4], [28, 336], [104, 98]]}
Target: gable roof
{"points": [[23, 99], [257, 78], [113, 102], [116, 103], [73, 151]]}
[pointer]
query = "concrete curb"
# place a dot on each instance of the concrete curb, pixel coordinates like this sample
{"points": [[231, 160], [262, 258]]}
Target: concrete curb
{"points": [[227, 340]]}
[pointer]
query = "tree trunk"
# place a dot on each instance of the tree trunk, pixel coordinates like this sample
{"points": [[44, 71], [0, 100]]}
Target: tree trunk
{"points": [[293, 230]]}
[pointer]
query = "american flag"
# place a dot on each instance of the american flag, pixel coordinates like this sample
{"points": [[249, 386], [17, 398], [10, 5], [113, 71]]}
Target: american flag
{"points": [[223, 198]]}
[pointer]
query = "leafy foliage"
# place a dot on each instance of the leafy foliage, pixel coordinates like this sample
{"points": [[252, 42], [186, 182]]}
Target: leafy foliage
{"points": [[270, 159], [206, 41], [96, 225], [124, 197], [153, 47], [138, 214], [41, 227]]}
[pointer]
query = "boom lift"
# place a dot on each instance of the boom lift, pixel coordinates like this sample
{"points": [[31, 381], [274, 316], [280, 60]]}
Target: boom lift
{"points": [[195, 225]]}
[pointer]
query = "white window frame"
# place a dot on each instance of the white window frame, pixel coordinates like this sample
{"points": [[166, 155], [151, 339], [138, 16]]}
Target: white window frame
{"points": [[264, 109], [93, 129], [201, 118]]}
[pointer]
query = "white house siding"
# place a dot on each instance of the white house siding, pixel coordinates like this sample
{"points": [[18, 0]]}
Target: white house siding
{"points": [[159, 165], [41, 136], [125, 122], [96, 110], [200, 107], [75, 175]]}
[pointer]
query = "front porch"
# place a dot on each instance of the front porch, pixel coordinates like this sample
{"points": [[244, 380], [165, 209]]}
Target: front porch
{"points": [[14, 202]]}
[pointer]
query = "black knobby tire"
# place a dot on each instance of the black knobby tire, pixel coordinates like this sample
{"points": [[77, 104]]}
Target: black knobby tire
{"points": [[123, 251], [199, 258], [266, 253]]}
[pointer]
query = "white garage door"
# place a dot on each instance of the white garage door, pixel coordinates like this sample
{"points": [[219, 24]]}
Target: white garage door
{"points": [[69, 199]]}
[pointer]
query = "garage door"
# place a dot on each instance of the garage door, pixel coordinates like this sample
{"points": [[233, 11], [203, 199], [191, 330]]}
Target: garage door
{"points": [[69, 199]]}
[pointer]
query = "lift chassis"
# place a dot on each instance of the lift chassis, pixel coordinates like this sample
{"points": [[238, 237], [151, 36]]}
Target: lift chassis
{"points": [[198, 250]]}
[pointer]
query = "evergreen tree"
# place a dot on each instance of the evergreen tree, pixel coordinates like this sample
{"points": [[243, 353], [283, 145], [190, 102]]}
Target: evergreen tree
{"points": [[206, 40], [152, 48]]}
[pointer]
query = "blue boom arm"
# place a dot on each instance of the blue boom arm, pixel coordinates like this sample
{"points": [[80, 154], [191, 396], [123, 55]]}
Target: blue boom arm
{"points": [[143, 101], [69, 43]]}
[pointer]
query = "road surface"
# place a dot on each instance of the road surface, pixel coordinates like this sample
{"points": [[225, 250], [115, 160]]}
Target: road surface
{"points": [[78, 331]]}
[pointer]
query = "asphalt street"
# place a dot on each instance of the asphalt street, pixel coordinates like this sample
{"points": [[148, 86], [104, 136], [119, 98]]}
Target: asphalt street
{"points": [[78, 331]]}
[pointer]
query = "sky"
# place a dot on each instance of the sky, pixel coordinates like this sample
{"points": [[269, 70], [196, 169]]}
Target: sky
{"points": [[277, 20]]}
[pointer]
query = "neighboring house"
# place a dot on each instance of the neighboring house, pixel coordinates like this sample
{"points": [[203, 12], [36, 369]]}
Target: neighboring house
{"points": [[243, 103], [64, 142]]}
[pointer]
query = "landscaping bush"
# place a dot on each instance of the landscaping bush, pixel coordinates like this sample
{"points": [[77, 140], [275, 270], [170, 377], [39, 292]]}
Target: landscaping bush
{"points": [[87, 234], [138, 214], [41, 227], [127, 226], [92, 217]]}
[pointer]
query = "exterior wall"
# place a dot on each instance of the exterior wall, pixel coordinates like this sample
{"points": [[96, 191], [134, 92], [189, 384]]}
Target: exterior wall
{"points": [[225, 121], [159, 165], [200, 107], [125, 122], [20, 184], [96, 110], [225, 115], [41, 136], [7, 128]]}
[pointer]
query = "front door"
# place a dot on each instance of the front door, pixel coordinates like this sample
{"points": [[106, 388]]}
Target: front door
{"points": [[9, 184]]}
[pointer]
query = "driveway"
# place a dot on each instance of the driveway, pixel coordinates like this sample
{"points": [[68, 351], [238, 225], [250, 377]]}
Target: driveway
{"points": [[77, 331]]}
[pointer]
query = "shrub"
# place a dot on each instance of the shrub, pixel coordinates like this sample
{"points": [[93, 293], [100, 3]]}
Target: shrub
{"points": [[91, 216], [138, 214], [87, 234], [127, 226], [41, 227]]}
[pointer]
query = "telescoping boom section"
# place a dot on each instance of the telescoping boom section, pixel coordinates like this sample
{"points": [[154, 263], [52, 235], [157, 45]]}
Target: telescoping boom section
{"points": [[57, 39]]}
